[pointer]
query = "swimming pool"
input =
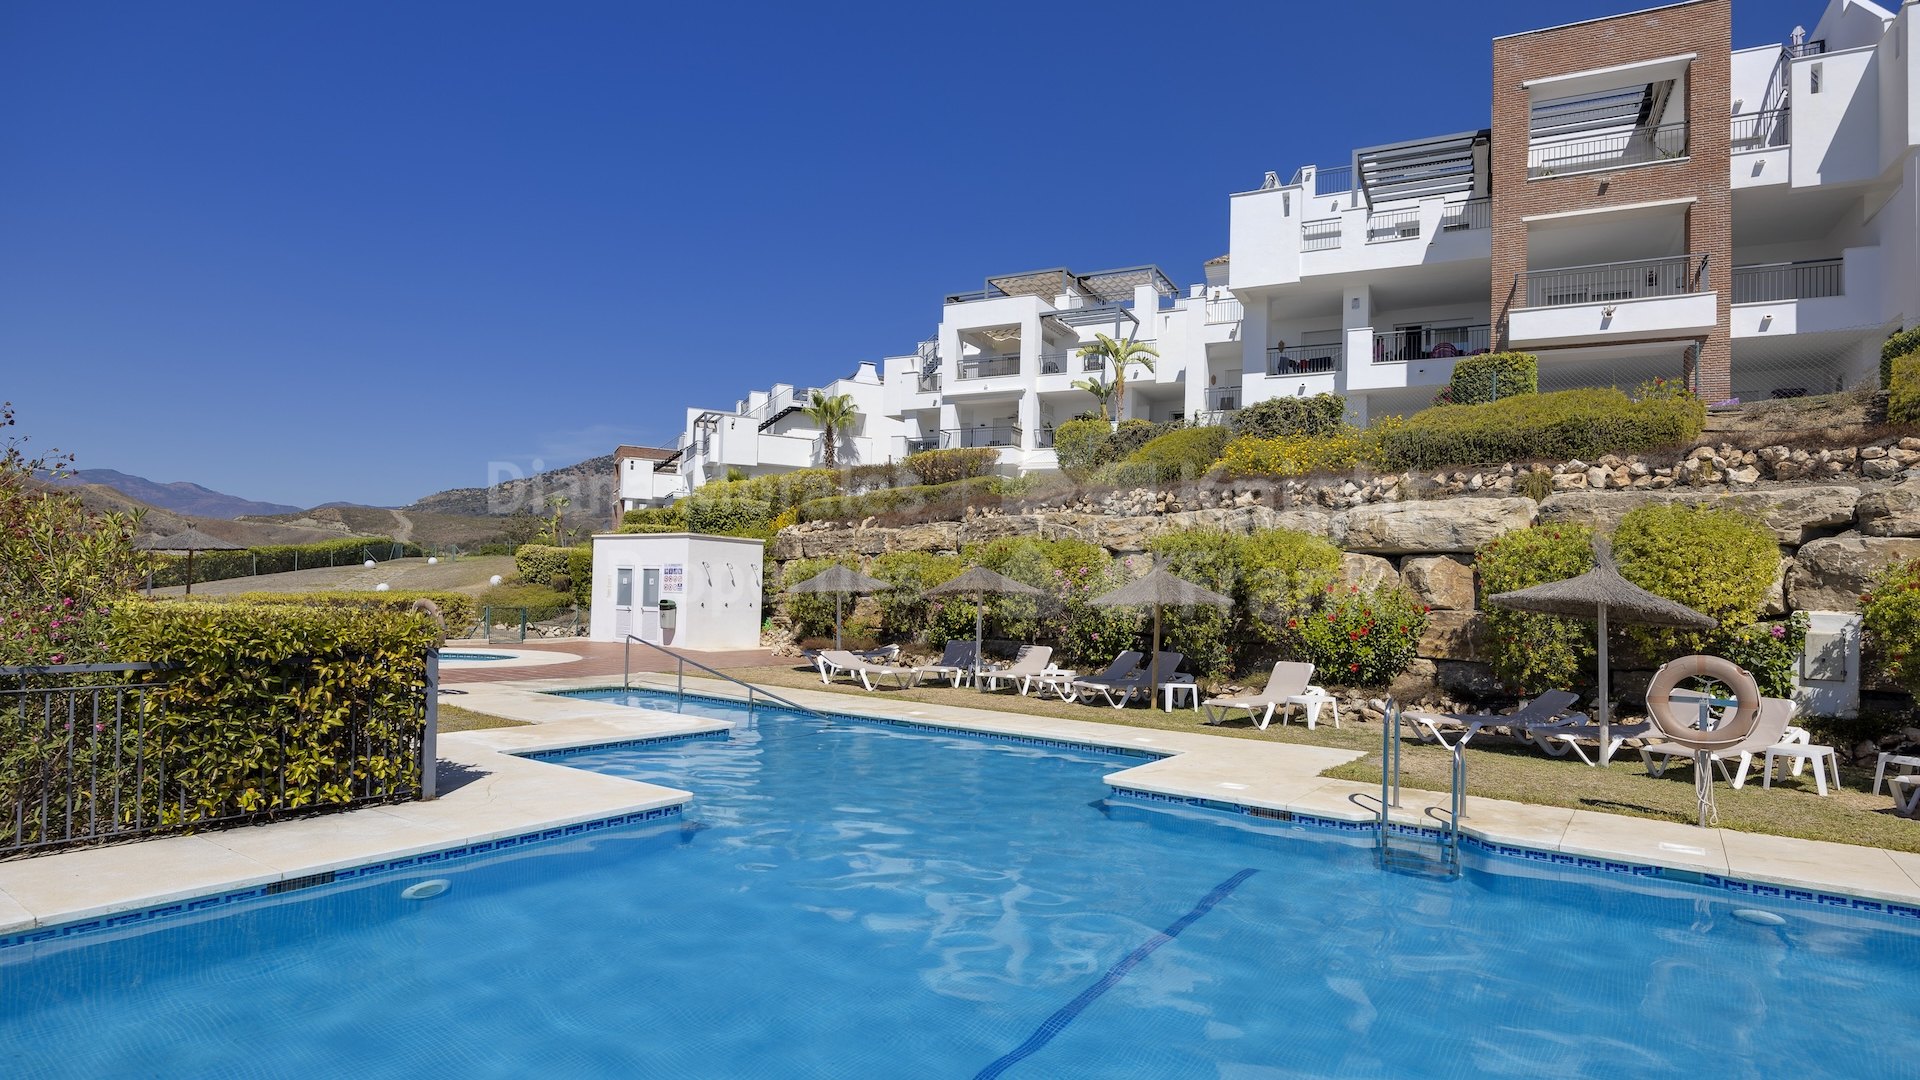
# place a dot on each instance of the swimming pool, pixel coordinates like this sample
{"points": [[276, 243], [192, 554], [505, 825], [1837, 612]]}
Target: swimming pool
{"points": [[848, 899], [476, 656]]}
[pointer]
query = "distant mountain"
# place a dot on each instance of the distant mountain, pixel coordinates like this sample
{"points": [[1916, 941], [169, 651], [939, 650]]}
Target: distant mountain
{"points": [[180, 497], [588, 488]]}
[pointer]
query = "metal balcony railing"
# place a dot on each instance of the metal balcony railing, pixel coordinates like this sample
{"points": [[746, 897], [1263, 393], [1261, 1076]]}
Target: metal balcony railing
{"points": [[927, 382], [1304, 360], [1788, 281], [1043, 439], [1334, 181], [910, 444], [987, 367], [983, 435], [1320, 235], [1393, 225], [1610, 150], [1805, 48], [1761, 130], [1430, 343], [1603, 283], [1225, 310], [1472, 214], [1223, 398]]}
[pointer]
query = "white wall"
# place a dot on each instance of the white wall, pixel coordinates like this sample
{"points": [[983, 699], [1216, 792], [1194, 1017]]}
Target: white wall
{"points": [[719, 598]]}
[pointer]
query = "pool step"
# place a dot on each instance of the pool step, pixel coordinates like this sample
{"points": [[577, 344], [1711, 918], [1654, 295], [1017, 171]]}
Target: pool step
{"points": [[1417, 856]]}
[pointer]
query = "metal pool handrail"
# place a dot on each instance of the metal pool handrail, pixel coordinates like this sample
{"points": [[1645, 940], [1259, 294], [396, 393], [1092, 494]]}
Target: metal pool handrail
{"points": [[680, 676]]}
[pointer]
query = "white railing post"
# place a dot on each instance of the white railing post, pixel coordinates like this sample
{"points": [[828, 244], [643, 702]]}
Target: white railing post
{"points": [[430, 738]]}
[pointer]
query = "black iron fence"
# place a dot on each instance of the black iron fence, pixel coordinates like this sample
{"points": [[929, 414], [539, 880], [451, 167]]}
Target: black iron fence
{"points": [[1304, 360], [97, 752], [1760, 130]]}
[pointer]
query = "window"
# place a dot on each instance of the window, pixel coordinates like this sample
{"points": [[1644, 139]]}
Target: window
{"points": [[1813, 79]]}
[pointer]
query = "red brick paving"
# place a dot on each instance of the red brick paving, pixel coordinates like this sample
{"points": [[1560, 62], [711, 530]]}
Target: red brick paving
{"points": [[597, 658]]}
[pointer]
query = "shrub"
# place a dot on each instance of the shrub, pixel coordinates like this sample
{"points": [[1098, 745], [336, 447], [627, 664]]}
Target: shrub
{"points": [[1176, 455], [1081, 446], [656, 519], [338, 693], [1290, 455], [1535, 484], [933, 502], [1531, 652], [1492, 377], [538, 563], [1362, 637], [1560, 426], [1131, 435], [1717, 562], [948, 466], [1903, 390], [1274, 576], [459, 610], [1900, 343], [784, 519], [1279, 418], [1771, 651], [1891, 621], [861, 479], [906, 610], [1070, 573], [580, 569], [729, 516], [508, 600], [812, 613]]}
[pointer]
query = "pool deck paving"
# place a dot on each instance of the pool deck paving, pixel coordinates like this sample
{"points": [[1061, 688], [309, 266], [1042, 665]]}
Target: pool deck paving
{"points": [[490, 791]]}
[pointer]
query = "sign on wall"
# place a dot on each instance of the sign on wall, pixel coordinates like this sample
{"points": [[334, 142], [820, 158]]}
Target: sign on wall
{"points": [[673, 580]]}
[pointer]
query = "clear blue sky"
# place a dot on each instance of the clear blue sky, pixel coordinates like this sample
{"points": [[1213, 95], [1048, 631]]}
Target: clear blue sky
{"points": [[349, 250]]}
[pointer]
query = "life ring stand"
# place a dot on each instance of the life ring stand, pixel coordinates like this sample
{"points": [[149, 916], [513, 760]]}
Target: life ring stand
{"points": [[1665, 712]]}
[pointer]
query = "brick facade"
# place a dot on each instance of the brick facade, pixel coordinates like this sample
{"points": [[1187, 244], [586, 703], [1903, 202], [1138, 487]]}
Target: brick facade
{"points": [[1704, 28]]}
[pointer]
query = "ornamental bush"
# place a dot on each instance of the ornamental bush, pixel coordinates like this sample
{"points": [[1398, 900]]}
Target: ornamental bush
{"points": [[1492, 377], [1081, 447], [1274, 577], [905, 610], [948, 466], [1552, 427], [1071, 573], [1359, 637], [580, 569], [1903, 390], [1278, 418], [1290, 455], [933, 502], [1531, 652], [1717, 562], [538, 563], [1771, 651], [1891, 621], [812, 613], [1898, 344], [656, 519], [1176, 455], [729, 516], [459, 610], [505, 603]]}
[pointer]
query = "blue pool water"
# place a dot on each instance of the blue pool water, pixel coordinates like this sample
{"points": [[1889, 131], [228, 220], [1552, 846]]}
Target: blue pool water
{"points": [[476, 656], [846, 899]]}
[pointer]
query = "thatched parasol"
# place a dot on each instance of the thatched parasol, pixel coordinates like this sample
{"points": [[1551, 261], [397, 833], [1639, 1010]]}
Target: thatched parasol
{"points": [[840, 581], [978, 581], [1161, 589], [1602, 595], [187, 542]]}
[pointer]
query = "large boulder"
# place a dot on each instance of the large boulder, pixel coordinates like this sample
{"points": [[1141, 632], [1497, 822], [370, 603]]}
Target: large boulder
{"points": [[1439, 581], [1125, 534], [1794, 514], [786, 544], [1829, 574], [1893, 511], [1418, 528], [1453, 635], [1366, 571], [828, 542], [939, 537], [1312, 522]]}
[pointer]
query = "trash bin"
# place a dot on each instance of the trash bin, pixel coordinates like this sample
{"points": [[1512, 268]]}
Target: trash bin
{"points": [[669, 614]]}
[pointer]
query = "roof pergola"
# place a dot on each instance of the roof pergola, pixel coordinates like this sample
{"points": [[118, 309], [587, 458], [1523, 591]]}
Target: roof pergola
{"points": [[1114, 286], [1418, 168]]}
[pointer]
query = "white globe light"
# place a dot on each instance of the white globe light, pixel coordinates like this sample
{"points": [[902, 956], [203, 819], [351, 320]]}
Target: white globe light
{"points": [[431, 561], [494, 580], [368, 564], [382, 587]]}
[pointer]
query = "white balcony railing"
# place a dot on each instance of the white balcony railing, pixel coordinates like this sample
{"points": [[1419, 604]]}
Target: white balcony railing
{"points": [[1472, 214], [1394, 225], [1320, 235], [988, 366], [1602, 283], [1225, 310], [1430, 343]]}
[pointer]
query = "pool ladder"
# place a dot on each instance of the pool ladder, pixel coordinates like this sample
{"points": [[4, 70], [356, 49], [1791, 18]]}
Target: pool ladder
{"points": [[1404, 849], [680, 676]]}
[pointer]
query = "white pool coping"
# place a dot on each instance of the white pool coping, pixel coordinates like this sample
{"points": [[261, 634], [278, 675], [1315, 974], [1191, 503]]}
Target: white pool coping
{"points": [[514, 795]]}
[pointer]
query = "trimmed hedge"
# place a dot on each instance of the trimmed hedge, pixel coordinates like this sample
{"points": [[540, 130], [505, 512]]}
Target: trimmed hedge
{"points": [[1903, 390], [539, 563], [895, 500], [1898, 344], [947, 466], [580, 569], [1717, 562], [1081, 446], [656, 519], [1291, 455], [280, 558], [337, 694], [459, 610], [1531, 652], [1278, 418], [1492, 377], [729, 516], [1553, 427], [1176, 455], [540, 601]]}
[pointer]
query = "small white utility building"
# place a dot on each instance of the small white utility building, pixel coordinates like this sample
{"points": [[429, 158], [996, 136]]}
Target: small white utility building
{"points": [[681, 590]]}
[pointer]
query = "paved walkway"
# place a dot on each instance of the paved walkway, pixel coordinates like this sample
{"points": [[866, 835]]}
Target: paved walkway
{"points": [[603, 660], [491, 793]]}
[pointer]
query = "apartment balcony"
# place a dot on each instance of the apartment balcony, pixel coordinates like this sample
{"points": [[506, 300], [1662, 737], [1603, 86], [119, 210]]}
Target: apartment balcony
{"points": [[1762, 130], [1809, 280], [1224, 399], [1604, 151], [1427, 343], [1572, 305], [1403, 224], [926, 382], [987, 366], [1322, 235], [983, 435], [1069, 362], [1463, 216], [1225, 310], [1812, 297], [910, 444], [1305, 360]]}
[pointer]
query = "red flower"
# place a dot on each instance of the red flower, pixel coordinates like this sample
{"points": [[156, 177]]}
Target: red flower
{"points": [[1293, 624], [1353, 667]]}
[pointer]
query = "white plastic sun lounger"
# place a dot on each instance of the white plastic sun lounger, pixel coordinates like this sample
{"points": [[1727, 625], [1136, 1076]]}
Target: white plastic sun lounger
{"points": [[839, 660], [1119, 674], [957, 662], [1770, 730], [1544, 712], [1290, 679], [1028, 666]]}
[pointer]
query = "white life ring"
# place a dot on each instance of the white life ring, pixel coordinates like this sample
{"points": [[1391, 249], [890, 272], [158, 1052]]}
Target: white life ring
{"points": [[1666, 713]]}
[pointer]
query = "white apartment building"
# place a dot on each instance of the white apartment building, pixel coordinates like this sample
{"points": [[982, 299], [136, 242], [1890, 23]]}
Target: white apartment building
{"points": [[1645, 202]]}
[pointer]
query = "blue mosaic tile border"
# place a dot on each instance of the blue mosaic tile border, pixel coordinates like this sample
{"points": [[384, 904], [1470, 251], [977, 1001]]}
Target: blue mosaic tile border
{"points": [[354, 873], [881, 721], [1717, 882], [622, 744]]}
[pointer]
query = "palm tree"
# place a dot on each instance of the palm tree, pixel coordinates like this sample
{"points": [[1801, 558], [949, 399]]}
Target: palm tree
{"points": [[834, 415], [1120, 354], [1101, 390]]}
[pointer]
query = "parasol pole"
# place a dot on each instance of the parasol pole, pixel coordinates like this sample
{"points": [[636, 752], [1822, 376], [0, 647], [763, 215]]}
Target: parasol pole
{"points": [[1606, 701], [1153, 666], [979, 638], [189, 571], [836, 620]]}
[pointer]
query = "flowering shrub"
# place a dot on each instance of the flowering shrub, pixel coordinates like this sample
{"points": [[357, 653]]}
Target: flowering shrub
{"points": [[1272, 576], [1290, 455], [906, 610], [1892, 624], [1770, 651], [1071, 573], [61, 564], [1359, 637], [1532, 652]]}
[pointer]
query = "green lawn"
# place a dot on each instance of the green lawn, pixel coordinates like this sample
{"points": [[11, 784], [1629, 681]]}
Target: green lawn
{"points": [[1496, 768], [455, 718]]}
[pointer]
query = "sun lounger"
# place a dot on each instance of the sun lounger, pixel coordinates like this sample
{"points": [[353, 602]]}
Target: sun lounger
{"points": [[1557, 739], [1548, 710], [957, 662], [1290, 679], [1906, 793], [1123, 667], [1135, 683], [1770, 730], [1026, 667], [841, 661]]}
